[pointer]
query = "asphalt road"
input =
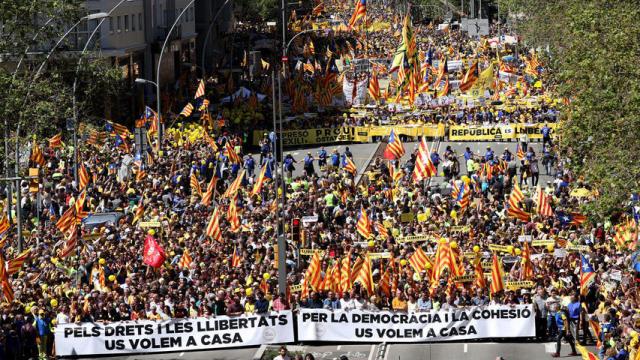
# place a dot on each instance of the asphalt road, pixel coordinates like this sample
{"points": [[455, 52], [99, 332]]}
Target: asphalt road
{"points": [[362, 152], [439, 351]]}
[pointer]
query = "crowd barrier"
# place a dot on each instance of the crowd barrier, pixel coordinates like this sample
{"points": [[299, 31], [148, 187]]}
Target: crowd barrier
{"points": [[478, 322], [366, 134]]}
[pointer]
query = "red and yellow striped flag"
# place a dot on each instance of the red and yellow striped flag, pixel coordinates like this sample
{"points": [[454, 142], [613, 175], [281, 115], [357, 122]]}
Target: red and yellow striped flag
{"points": [[211, 188], [213, 228], [140, 175], [365, 276], [497, 275], [527, 265], [232, 214], [16, 263], [185, 260], [382, 231], [313, 274], [195, 185], [7, 291], [4, 225], [350, 166], [235, 258], [36, 154], [345, 274], [56, 141], [364, 225], [200, 90], [543, 207], [479, 282], [139, 212], [235, 185], [187, 110], [83, 176], [231, 154], [419, 260], [257, 187]]}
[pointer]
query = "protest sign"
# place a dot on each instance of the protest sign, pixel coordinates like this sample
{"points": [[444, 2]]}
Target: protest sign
{"points": [[173, 335]]}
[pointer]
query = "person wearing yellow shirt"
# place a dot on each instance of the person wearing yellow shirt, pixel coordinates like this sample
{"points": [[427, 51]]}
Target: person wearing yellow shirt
{"points": [[250, 306], [399, 302]]}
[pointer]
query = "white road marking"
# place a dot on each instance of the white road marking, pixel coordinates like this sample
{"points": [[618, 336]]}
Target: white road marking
{"points": [[181, 354], [387, 351], [339, 347], [465, 347], [372, 352]]}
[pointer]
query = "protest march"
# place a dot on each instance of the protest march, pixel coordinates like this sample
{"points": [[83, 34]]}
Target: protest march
{"points": [[170, 243]]}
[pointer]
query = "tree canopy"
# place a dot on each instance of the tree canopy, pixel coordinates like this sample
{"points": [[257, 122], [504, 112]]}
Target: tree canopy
{"points": [[594, 51]]}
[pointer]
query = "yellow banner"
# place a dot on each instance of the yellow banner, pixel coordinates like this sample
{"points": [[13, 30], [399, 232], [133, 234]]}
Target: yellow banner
{"points": [[469, 132], [543, 242], [309, 252], [580, 248], [496, 132], [416, 238], [383, 255], [515, 285], [464, 279], [500, 248], [295, 288], [463, 229]]}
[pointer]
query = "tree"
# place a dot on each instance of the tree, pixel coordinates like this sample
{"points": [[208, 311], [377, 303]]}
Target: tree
{"points": [[38, 105], [594, 51]]}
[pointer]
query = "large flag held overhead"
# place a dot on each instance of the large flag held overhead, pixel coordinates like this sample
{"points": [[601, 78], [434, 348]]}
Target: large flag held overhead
{"points": [[470, 78], [419, 260], [265, 173], [587, 275], [543, 207], [497, 275], [213, 228], [314, 271], [235, 185], [154, 255], [350, 166], [359, 12], [374, 87], [424, 167], [200, 90], [363, 226], [394, 149], [514, 209], [365, 277]]}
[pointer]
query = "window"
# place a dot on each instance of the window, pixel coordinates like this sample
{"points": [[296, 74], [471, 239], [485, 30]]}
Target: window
{"points": [[119, 24], [133, 22], [192, 14], [140, 21], [111, 24], [126, 23]]}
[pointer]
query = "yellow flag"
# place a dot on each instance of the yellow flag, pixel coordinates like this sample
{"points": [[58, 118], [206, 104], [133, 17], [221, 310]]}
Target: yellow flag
{"points": [[485, 80]]}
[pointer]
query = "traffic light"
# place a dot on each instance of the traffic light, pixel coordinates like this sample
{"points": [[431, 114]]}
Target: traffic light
{"points": [[295, 230]]}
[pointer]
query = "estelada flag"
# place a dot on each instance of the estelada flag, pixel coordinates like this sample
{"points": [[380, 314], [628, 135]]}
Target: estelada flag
{"points": [[154, 256]]}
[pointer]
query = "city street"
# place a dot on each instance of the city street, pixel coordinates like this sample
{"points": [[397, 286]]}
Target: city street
{"points": [[441, 351], [362, 153]]}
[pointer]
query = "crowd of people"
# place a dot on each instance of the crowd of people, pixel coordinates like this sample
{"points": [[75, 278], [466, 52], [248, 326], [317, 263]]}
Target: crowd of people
{"points": [[97, 272]]}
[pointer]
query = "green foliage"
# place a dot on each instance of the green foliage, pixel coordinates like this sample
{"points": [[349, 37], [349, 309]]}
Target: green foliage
{"points": [[257, 10], [595, 49], [38, 106]]}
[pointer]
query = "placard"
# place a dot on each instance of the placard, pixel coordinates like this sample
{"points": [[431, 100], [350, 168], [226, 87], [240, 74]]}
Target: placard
{"points": [[145, 336], [444, 325], [542, 242], [415, 238], [310, 252]]}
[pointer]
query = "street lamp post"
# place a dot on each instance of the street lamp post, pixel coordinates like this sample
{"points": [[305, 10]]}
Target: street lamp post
{"points": [[75, 85], [159, 110], [26, 97], [206, 37], [6, 132]]}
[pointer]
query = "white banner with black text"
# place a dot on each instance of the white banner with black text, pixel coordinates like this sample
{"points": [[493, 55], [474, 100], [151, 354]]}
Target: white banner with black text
{"points": [[173, 335], [385, 326]]}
